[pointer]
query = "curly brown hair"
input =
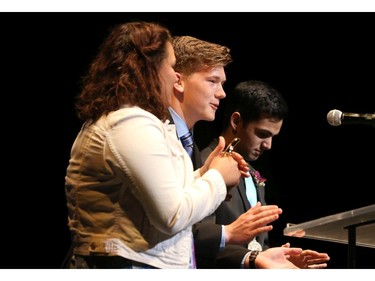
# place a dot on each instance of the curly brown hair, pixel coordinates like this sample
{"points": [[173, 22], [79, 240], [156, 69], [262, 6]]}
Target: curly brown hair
{"points": [[193, 54], [125, 72]]}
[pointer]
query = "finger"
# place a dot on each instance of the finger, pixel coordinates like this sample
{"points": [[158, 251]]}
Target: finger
{"points": [[314, 254], [317, 260], [292, 251], [261, 222], [241, 161], [264, 211], [267, 220], [317, 266], [254, 208], [263, 208], [244, 174], [262, 229]]}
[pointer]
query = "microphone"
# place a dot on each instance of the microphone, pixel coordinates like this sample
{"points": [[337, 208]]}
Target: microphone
{"points": [[335, 118]]}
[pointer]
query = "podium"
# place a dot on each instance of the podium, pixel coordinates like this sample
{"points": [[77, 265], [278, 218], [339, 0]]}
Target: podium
{"points": [[355, 228]]}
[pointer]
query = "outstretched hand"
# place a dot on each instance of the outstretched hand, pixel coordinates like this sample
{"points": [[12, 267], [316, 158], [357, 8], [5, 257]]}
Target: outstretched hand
{"points": [[277, 258], [309, 259], [252, 223]]}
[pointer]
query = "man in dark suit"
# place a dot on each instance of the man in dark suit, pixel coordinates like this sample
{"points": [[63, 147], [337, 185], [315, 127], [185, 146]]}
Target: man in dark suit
{"points": [[197, 94], [254, 113]]}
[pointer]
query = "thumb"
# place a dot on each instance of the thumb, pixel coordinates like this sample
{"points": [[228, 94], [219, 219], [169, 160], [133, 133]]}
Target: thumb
{"points": [[286, 245], [220, 147], [215, 153]]}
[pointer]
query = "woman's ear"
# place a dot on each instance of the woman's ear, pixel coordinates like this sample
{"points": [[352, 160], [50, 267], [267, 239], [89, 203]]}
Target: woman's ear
{"points": [[179, 85]]}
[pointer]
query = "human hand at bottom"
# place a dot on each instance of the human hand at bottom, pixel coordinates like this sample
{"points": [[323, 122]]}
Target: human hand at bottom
{"points": [[309, 259], [277, 258]]}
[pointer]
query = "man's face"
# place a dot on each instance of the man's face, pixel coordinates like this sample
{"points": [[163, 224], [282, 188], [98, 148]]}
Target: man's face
{"points": [[256, 137], [202, 94]]}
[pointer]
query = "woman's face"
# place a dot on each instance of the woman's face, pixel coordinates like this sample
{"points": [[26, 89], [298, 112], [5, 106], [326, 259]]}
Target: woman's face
{"points": [[167, 74]]}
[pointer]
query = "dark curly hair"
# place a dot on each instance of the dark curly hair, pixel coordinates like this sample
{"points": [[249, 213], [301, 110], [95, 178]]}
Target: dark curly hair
{"points": [[125, 72]]}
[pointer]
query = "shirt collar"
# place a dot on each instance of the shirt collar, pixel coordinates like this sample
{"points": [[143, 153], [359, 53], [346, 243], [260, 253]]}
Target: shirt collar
{"points": [[181, 126]]}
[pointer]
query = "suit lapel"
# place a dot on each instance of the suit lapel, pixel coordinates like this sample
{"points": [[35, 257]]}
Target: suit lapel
{"points": [[242, 191], [196, 159], [259, 189], [261, 195]]}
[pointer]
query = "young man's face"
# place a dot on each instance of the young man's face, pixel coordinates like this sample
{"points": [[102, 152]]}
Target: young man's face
{"points": [[256, 137], [202, 94]]}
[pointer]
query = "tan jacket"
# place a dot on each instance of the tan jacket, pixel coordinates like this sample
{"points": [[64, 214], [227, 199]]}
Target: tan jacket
{"points": [[131, 190]]}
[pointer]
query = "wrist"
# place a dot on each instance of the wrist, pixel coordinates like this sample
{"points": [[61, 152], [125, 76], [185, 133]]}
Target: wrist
{"points": [[252, 257]]}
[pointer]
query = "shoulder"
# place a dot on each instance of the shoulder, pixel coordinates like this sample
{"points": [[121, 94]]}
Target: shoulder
{"points": [[131, 113]]}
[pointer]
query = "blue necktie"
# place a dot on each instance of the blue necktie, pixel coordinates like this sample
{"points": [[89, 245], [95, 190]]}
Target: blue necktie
{"points": [[187, 143], [251, 192]]}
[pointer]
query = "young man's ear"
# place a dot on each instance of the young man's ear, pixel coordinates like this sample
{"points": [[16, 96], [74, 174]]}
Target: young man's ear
{"points": [[235, 120], [179, 85]]}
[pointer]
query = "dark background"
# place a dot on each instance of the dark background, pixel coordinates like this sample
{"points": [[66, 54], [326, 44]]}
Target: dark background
{"points": [[318, 61]]}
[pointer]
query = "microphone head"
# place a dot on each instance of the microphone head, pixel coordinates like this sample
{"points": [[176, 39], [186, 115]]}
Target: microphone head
{"points": [[334, 117]]}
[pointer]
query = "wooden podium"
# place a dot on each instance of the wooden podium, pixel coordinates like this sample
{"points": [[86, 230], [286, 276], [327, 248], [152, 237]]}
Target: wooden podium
{"points": [[355, 228]]}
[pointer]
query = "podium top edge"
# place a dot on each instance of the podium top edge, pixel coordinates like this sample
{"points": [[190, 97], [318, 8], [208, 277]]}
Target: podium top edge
{"points": [[297, 229]]}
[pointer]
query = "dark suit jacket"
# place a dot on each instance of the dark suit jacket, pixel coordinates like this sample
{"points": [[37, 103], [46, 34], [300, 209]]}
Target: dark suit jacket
{"points": [[228, 211], [207, 234]]}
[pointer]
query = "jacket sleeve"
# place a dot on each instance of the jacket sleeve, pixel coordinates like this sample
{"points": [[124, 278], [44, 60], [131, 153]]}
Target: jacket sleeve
{"points": [[207, 236], [231, 257]]}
